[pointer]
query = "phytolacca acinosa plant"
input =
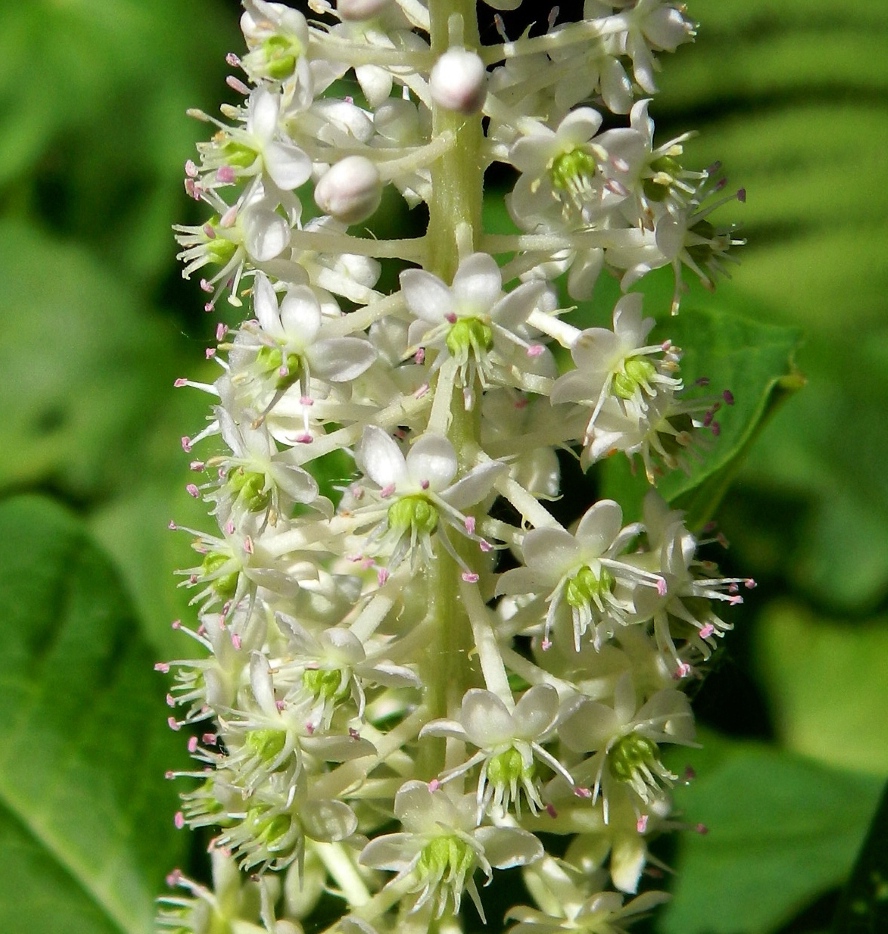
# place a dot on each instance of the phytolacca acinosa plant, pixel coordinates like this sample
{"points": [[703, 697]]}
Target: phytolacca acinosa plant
{"points": [[397, 697]]}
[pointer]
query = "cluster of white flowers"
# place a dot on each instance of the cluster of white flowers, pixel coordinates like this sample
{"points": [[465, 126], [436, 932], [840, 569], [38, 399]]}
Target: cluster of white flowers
{"points": [[399, 691]]}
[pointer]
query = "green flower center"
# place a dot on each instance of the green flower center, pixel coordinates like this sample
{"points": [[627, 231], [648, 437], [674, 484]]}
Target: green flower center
{"points": [[469, 334], [266, 744], [271, 359], [249, 485], [587, 585], [635, 372], [631, 752], [281, 54], [325, 682], [508, 767], [267, 830], [219, 249], [238, 155], [664, 165], [446, 857], [413, 512], [570, 170], [225, 585]]}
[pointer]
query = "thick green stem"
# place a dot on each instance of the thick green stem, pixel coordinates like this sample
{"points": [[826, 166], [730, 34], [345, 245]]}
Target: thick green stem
{"points": [[454, 222], [458, 176]]}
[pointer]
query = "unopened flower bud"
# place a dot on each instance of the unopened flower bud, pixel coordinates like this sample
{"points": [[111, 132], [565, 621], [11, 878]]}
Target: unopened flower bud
{"points": [[459, 81], [356, 10], [351, 190]]}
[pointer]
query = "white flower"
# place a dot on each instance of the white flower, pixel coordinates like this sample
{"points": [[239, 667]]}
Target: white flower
{"points": [[618, 364], [278, 39], [333, 665], [581, 571], [268, 738], [257, 478], [418, 492], [291, 346], [441, 847], [472, 319], [232, 903], [561, 167], [624, 739], [684, 602], [508, 742]]}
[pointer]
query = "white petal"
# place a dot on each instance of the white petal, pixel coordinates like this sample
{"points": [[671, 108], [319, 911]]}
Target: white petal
{"points": [[262, 114], [392, 852], [624, 699], [341, 359], [536, 711], [579, 126], [266, 234], [380, 458], [486, 718], [514, 309], [426, 295], [444, 727], [475, 485], [287, 165], [265, 306], [432, 459], [327, 820], [599, 527], [301, 316], [477, 284], [550, 552], [589, 726], [261, 683], [343, 645], [505, 847]]}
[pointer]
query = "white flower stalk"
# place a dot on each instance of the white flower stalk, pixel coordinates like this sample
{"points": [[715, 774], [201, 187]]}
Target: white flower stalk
{"points": [[413, 673]]}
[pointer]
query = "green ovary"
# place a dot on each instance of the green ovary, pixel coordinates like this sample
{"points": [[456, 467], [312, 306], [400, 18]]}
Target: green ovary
{"points": [[587, 585], [508, 767], [635, 372], [272, 359], [665, 165], [220, 250], [327, 683], [446, 857], [250, 486], [238, 155], [629, 753], [281, 54], [268, 830], [569, 169], [413, 512], [225, 585], [266, 744], [469, 334]]}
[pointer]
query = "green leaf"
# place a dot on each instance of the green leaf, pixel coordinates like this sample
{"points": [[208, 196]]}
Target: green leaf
{"points": [[781, 831], [826, 684], [83, 364], [85, 815], [95, 137], [755, 362], [864, 905]]}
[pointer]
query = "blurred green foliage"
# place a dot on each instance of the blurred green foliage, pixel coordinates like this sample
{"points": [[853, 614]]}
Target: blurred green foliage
{"points": [[790, 96]]}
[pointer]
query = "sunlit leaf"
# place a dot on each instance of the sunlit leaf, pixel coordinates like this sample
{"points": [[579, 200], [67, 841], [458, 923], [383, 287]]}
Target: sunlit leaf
{"points": [[85, 816], [827, 685]]}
